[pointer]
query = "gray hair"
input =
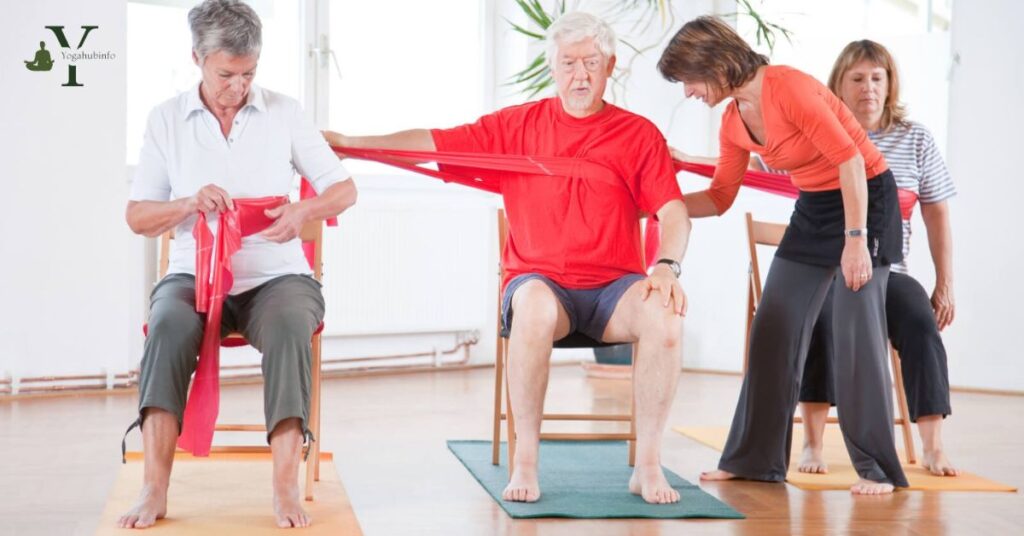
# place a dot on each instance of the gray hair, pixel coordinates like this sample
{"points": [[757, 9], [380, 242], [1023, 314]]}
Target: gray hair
{"points": [[227, 25], [576, 26]]}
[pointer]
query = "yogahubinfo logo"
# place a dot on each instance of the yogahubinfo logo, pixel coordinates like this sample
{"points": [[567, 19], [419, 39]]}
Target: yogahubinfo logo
{"points": [[44, 61]]}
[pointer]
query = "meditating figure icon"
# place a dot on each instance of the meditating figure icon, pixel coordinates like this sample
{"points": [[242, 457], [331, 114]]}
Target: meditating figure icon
{"points": [[42, 61]]}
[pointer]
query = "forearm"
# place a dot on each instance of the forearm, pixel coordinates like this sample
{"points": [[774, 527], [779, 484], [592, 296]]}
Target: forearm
{"points": [[700, 205], [333, 201], [153, 218], [940, 240], [406, 140], [675, 231], [854, 188]]}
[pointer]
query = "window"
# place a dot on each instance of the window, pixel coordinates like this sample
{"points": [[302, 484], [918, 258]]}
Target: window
{"points": [[159, 56], [916, 32], [405, 64]]}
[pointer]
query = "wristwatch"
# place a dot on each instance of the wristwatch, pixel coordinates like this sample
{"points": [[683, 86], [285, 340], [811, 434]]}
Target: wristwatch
{"points": [[853, 233], [672, 265]]}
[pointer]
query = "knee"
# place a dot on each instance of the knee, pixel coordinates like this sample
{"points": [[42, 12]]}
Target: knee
{"points": [[288, 327], [916, 325], [178, 323], [535, 308], [661, 326]]}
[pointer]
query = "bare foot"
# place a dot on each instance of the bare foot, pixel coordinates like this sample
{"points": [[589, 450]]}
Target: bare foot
{"points": [[870, 487], [288, 512], [523, 486], [150, 506], [937, 464], [717, 474], [649, 482], [812, 461]]}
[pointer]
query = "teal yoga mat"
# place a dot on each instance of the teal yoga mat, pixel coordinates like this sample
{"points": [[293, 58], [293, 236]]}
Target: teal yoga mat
{"points": [[585, 480]]}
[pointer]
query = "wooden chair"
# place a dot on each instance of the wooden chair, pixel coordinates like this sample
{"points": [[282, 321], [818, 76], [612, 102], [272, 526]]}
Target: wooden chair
{"points": [[574, 340], [770, 234], [312, 232]]}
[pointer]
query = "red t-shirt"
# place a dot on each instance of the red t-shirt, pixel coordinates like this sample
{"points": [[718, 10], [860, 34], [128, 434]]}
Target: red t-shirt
{"points": [[579, 232]]}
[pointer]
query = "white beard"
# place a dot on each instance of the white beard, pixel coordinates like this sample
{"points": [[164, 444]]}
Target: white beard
{"points": [[579, 104]]}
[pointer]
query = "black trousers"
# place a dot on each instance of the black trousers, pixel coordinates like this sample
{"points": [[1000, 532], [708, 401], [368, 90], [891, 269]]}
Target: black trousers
{"points": [[914, 334]]}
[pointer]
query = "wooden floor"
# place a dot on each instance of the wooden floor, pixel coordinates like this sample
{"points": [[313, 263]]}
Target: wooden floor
{"points": [[388, 433]]}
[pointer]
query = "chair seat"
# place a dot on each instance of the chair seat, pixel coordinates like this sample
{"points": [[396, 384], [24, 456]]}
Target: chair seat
{"points": [[579, 340], [233, 339]]}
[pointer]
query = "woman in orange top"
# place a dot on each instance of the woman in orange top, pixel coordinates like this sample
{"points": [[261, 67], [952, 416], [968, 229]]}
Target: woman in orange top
{"points": [[846, 220]]}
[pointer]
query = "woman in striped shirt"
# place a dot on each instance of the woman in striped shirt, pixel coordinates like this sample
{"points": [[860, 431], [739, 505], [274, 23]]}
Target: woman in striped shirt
{"points": [[865, 78]]}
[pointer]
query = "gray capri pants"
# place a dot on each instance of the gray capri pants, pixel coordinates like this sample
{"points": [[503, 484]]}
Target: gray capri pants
{"points": [[278, 318]]}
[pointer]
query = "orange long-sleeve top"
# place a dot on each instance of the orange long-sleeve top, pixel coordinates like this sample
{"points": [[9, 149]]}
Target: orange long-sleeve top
{"points": [[808, 131]]}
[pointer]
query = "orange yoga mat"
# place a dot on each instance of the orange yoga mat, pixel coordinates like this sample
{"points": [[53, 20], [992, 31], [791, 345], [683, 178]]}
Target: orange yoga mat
{"points": [[226, 495], [840, 472]]}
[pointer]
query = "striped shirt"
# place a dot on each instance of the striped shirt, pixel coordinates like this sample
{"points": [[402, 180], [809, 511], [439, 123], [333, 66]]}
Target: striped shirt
{"points": [[917, 165]]}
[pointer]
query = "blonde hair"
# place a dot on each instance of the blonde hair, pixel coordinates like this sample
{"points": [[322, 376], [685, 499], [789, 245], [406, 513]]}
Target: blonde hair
{"points": [[893, 113]]}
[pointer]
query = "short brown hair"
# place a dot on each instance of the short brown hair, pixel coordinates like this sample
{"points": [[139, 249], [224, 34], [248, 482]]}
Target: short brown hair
{"points": [[893, 113], [706, 49]]}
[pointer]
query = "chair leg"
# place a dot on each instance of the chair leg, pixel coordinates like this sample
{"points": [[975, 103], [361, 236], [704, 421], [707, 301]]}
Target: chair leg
{"points": [[750, 321], [318, 396], [901, 400], [499, 373], [509, 418], [632, 411], [313, 454]]}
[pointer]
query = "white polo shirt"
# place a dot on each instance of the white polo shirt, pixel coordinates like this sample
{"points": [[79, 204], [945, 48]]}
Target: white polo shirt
{"points": [[270, 141]]}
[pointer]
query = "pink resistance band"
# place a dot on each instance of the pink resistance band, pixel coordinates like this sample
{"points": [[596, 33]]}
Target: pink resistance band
{"points": [[214, 278]]}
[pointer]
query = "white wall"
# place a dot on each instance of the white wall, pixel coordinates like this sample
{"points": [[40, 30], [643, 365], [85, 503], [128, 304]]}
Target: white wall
{"points": [[985, 118], [62, 158], [65, 277]]}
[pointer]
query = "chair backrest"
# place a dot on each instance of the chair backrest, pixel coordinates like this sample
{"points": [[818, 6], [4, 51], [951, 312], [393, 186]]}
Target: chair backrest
{"points": [[760, 233], [312, 233]]}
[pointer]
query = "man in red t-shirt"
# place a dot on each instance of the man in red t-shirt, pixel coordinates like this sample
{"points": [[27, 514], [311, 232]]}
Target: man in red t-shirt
{"points": [[573, 260]]}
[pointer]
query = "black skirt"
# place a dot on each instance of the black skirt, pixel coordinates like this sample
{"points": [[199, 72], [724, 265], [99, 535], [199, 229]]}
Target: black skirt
{"points": [[816, 233]]}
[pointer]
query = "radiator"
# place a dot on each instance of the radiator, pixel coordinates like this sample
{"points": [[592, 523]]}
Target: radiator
{"points": [[423, 265]]}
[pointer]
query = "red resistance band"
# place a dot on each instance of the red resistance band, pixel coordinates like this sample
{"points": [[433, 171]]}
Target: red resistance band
{"points": [[483, 172], [780, 184], [203, 403]]}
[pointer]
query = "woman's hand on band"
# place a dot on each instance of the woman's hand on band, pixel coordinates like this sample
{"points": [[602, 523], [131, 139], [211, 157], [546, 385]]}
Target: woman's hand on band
{"points": [[856, 263], [211, 198], [289, 219], [665, 282]]}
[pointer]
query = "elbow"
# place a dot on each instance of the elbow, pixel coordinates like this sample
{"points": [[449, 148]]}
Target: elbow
{"points": [[131, 217], [351, 196], [856, 161], [719, 205]]}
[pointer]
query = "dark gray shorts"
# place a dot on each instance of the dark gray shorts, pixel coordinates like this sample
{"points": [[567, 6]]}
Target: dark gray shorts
{"points": [[589, 310]]}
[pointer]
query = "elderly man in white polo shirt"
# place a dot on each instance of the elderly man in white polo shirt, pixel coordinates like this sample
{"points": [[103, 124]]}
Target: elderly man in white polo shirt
{"points": [[223, 140]]}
